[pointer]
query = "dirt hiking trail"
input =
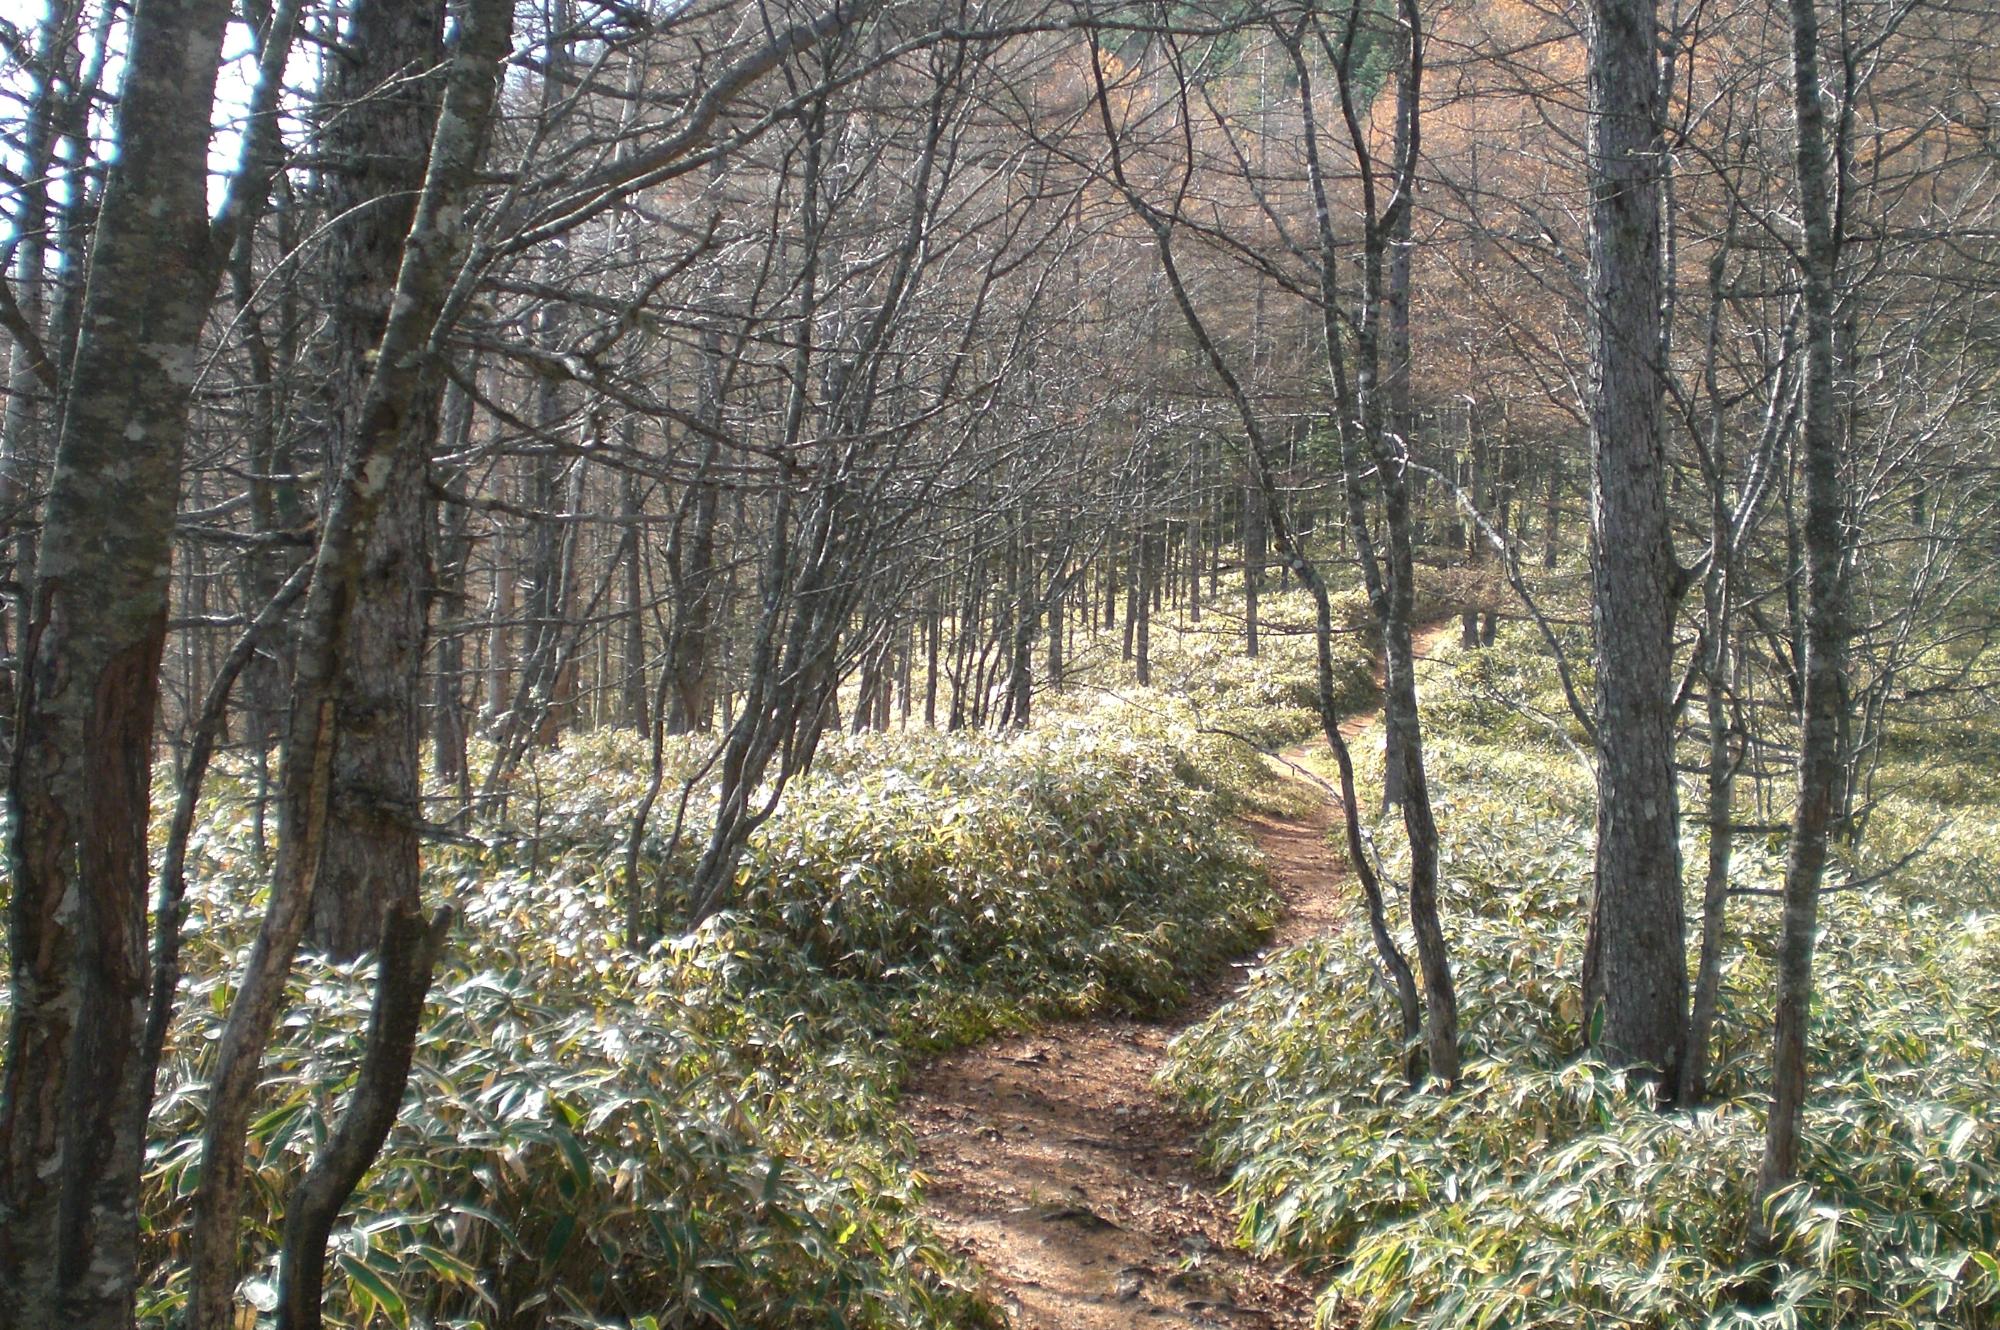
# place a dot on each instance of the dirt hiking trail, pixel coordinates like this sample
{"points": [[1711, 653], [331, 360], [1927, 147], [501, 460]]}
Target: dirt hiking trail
{"points": [[1054, 1164]]}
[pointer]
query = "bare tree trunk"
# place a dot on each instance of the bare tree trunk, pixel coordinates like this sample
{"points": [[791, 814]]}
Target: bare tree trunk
{"points": [[691, 563], [73, 1102], [499, 685], [1143, 577], [448, 720], [1194, 548], [1401, 982], [1394, 595], [1021, 676], [1824, 666], [1474, 547], [544, 699], [1058, 618], [632, 705], [1255, 541], [1439, 995], [386, 108], [407, 957], [34, 377], [436, 247], [933, 633], [1635, 964], [1552, 511], [1720, 817]]}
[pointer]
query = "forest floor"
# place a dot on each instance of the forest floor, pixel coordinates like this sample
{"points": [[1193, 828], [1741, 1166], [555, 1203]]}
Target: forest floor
{"points": [[1053, 1162]]}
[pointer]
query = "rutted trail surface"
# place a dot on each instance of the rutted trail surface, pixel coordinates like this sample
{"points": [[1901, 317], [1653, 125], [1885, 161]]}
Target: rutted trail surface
{"points": [[1054, 1164]]}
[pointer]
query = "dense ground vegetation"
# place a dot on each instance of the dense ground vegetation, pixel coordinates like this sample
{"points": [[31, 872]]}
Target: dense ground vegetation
{"points": [[705, 1134], [1535, 1194]]}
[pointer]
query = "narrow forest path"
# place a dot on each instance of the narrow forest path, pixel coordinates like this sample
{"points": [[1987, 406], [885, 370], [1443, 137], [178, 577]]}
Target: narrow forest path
{"points": [[1054, 1164]]}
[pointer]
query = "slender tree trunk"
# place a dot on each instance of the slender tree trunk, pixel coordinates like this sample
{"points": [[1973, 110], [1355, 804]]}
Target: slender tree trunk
{"points": [[1400, 981], [33, 376], [632, 672], [1194, 549], [1134, 591], [1361, 412], [544, 699], [1552, 512], [1394, 596], [933, 635], [500, 610], [690, 647], [1721, 820], [409, 951], [448, 720], [1058, 618], [1143, 578], [1255, 541], [1824, 702]]}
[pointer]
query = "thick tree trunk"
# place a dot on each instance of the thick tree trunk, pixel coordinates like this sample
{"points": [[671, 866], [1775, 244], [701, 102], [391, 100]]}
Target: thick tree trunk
{"points": [[369, 865], [433, 253], [1021, 676], [72, 1109], [385, 93], [1635, 966]]}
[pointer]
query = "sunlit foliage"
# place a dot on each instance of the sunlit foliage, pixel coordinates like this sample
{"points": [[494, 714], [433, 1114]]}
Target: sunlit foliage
{"points": [[1536, 1195]]}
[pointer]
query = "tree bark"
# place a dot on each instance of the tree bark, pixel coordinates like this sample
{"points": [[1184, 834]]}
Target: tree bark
{"points": [[72, 1105], [433, 253], [1824, 700], [1635, 967], [384, 95], [632, 706], [1256, 539]]}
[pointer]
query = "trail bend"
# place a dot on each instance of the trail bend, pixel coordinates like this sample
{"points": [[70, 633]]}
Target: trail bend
{"points": [[1051, 1161]]}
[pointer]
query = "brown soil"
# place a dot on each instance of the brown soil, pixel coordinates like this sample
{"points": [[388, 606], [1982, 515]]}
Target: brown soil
{"points": [[1052, 1162]]}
